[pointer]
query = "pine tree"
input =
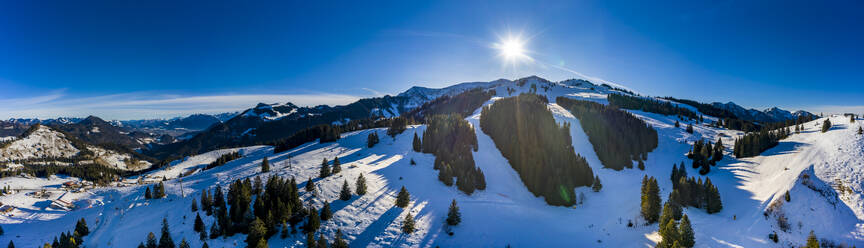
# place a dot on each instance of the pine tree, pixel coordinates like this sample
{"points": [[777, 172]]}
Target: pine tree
{"points": [[1, 231], [325, 169], [689, 128], [338, 241], [310, 240], [403, 198], [669, 234], [665, 218], [310, 186], [81, 227], [148, 194], [677, 124], [712, 197], [160, 193], [326, 213], [417, 143], [361, 185], [285, 230], [651, 200], [215, 230], [194, 205], [199, 224], [314, 221], [408, 224], [265, 165], [597, 186], [372, 139], [11, 244], [686, 232], [453, 215], [206, 202], [151, 240], [812, 241], [337, 166], [860, 130], [205, 245], [165, 240], [257, 234], [183, 243], [322, 243], [345, 194], [641, 165], [787, 197]]}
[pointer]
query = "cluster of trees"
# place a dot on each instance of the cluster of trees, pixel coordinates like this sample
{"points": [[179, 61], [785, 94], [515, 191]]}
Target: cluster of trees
{"points": [[618, 137], [649, 105], [462, 104], [704, 155], [327, 171], [693, 192], [225, 158], [452, 139], [165, 240], [537, 147], [158, 191], [397, 126], [372, 139], [98, 174], [753, 144], [675, 233], [705, 108], [324, 133], [72, 239]]}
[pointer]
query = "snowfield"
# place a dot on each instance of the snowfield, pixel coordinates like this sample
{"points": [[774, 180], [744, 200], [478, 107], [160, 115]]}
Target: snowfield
{"points": [[506, 213]]}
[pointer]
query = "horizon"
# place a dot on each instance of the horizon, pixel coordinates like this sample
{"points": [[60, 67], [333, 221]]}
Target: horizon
{"points": [[151, 60]]}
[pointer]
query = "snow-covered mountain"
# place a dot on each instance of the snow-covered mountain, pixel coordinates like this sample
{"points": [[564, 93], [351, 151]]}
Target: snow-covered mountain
{"points": [[821, 172], [773, 114], [42, 145]]}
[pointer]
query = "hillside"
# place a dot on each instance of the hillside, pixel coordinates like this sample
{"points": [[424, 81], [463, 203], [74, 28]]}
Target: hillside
{"points": [[505, 212]]}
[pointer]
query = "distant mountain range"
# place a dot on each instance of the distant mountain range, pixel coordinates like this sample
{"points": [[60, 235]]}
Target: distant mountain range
{"points": [[773, 114]]}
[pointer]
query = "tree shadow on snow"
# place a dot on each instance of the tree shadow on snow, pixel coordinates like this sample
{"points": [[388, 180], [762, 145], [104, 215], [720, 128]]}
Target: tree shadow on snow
{"points": [[380, 225]]}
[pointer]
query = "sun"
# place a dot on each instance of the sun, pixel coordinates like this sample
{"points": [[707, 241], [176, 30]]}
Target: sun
{"points": [[512, 49]]}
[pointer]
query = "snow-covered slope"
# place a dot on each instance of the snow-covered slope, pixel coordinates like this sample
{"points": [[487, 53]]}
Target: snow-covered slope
{"points": [[506, 213], [41, 143]]}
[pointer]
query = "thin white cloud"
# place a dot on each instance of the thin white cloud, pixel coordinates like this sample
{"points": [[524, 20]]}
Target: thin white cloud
{"points": [[145, 105]]}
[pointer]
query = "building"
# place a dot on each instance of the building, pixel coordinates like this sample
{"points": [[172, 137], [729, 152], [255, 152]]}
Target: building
{"points": [[6, 209]]}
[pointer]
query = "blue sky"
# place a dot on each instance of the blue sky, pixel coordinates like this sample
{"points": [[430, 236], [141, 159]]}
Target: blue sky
{"points": [[148, 59]]}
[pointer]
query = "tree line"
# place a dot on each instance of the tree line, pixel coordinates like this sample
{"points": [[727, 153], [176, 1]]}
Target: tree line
{"points": [[537, 147], [452, 139], [617, 136]]}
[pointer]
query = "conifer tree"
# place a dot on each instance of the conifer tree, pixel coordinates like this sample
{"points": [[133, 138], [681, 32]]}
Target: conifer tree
{"points": [[345, 194], [148, 194], [372, 139], [812, 241], [314, 221], [11, 244], [310, 186], [215, 230], [453, 215], [310, 240], [183, 243], [326, 213], [151, 240], [408, 224], [205, 245], [860, 130], [651, 201], [669, 234], [265, 165], [686, 232], [361, 185], [417, 143], [689, 128], [338, 241], [712, 196], [165, 240], [322, 243], [787, 197], [641, 165], [206, 203], [81, 227], [257, 237], [285, 230], [403, 198], [325, 169], [665, 218], [596, 186], [677, 124], [337, 166], [199, 224], [160, 191], [194, 205], [1, 231]]}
